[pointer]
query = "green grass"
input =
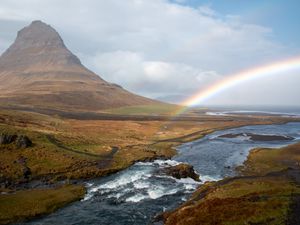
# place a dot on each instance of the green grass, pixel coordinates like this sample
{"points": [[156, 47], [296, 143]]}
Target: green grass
{"points": [[24, 205], [266, 160], [159, 109], [42, 158]]}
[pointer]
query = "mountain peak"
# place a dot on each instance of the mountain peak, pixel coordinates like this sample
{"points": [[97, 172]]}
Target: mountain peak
{"points": [[38, 34], [34, 22], [38, 43]]}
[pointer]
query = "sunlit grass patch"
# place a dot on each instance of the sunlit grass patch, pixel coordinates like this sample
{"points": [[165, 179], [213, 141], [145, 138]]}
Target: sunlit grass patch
{"points": [[158, 109], [31, 203]]}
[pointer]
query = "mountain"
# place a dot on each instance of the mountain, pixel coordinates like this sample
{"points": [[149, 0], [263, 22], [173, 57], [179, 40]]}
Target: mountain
{"points": [[38, 70]]}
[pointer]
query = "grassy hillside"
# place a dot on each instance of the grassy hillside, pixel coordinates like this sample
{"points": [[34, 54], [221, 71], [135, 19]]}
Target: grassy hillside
{"points": [[157, 109]]}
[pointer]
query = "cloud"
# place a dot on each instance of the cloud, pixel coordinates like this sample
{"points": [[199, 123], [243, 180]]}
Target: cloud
{"points": [[155, 47], [153, 78], [279, 89]]}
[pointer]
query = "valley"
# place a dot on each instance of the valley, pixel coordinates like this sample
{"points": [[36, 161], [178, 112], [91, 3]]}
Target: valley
{"points": [[66, 152]]}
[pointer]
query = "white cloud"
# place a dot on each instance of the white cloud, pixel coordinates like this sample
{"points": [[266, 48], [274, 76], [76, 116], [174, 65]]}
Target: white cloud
{"points": [[152, 47], [154, 78], [280, 89], [158, 71]]}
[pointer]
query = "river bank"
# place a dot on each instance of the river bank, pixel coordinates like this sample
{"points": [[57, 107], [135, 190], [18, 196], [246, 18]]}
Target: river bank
{"points": [[264, 191]]}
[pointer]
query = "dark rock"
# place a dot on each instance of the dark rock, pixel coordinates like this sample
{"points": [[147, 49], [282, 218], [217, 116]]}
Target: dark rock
{"points": [[7, 183], [26, 172], [158, 219], [7, 139], [22, 160], [182, 171], [23, 142]]}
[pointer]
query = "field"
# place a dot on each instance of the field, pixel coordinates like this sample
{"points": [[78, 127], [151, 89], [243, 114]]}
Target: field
{"points": [[162, 109], [66, 151]]}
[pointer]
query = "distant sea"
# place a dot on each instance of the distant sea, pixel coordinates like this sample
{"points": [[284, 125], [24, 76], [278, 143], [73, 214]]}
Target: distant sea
{"points": [[287, 111]]}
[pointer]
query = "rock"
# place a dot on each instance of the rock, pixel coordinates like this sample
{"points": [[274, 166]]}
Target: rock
{"points": [[26, 172], [23, 142], [7, 139], [22, 160], [182, 171]]}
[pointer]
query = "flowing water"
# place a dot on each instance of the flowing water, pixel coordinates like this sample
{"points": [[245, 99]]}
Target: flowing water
{"points": [[135, 195]]}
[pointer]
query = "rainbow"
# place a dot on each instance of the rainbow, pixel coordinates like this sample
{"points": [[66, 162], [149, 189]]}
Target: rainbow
{"points": [[235, 79]]}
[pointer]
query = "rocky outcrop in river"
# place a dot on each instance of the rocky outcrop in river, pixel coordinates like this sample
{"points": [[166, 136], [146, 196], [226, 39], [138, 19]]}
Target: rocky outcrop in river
{"points": [[181, 171]]}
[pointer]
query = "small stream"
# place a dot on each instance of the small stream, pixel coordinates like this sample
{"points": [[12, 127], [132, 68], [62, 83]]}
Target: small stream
{"points": [[135, 195]]}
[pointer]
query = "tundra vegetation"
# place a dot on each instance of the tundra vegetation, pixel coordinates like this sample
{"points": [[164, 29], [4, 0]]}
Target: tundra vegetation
{"points": [[62, 151]]}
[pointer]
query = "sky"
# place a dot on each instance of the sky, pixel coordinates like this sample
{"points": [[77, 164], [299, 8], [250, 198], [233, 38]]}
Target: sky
{"points": [[172, 49]]}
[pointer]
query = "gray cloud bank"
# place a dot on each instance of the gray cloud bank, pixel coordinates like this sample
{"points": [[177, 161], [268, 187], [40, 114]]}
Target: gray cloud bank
{"points": [[157, 48]]}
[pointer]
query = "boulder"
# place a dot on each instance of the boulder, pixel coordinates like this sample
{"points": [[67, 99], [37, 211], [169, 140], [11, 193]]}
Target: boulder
{"points": [[23, 142], [26, 172], [20, 141], [7, 139], [22, 160], [182, 171]]}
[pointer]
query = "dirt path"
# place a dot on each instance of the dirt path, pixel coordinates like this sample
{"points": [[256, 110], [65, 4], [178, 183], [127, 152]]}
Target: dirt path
{"points": [[103, 161], [58, 144]]}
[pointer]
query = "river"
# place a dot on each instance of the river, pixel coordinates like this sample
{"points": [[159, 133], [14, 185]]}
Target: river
{"points": [[135, 195]]}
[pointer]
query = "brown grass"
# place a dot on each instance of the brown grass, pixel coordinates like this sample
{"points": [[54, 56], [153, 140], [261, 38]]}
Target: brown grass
{"points": [[23, 205], [265, 160], [240, 201]]}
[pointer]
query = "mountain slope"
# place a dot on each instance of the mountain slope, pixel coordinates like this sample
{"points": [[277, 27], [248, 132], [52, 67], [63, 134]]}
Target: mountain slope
{"points": [[38, 70]]}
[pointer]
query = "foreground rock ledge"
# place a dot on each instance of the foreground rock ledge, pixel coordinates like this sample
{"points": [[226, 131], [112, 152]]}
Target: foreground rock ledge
{"points": [[21, 141], [181, 171]]}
